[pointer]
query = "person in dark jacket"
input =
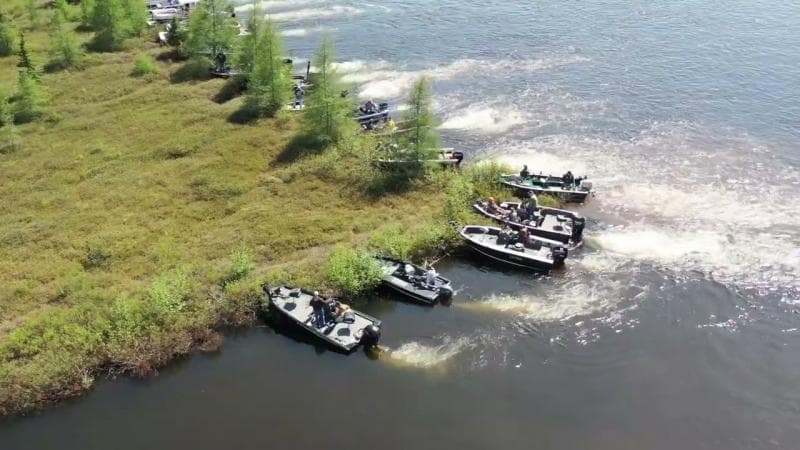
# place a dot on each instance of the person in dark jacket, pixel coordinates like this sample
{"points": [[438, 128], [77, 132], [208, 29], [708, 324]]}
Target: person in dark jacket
{"points": [[321, 308]]}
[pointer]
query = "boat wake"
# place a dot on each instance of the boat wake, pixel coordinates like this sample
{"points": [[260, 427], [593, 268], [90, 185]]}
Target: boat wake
{"points": [[425, 356], [557, 303], [380, 80], [484, 119], [315, 13], [302, 32]]}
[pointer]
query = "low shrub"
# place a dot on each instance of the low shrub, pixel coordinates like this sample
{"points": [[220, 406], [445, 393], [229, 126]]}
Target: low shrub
{"points": [[243, 261], [353, 272], [197, 68], [144, 65], [414, 243]]}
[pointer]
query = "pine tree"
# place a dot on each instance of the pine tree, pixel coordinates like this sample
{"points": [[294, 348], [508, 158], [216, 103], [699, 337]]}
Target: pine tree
{"points": [[212, 29], [136, 16], [176, 34], [328, 114], [7, 43], [270, 80], [30, 98], [64, 49], [245, 55], [24, 59], [87, 13], [110, 24], [422, 139]]}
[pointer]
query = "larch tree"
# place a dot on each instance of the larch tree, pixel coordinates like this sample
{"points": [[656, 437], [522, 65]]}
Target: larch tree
{"points": [[64, 49], [328, 113], [421, 140], [212, 29], [270, 79], [248, 47], [7, 40]]}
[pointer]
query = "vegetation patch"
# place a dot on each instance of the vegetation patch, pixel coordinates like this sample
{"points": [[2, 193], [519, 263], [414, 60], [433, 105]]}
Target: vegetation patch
{"points": [[353, 272]]}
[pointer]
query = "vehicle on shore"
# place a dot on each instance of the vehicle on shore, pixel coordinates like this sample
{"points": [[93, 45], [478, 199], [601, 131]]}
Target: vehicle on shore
{"points": [[345, 330], [569, 190], [555, 224], [501, 246], [410, 280]]}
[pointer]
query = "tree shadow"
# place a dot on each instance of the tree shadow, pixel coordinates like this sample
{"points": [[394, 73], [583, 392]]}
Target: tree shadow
{"points": [[192, 70], [304, 144], [171, 56], [234, 87], [395, 181]]}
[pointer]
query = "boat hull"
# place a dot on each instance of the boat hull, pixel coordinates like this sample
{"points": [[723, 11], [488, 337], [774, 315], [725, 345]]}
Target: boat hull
{"points": [[511, 260]]}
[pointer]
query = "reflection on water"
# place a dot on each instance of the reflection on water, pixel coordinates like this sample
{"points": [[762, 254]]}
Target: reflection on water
{"points": [[674, 327]]}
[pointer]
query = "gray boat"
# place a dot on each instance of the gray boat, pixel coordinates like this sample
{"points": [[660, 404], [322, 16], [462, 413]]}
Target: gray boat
{"points": [[409, 280], [549, 223], [497, 245], [345, 332]]}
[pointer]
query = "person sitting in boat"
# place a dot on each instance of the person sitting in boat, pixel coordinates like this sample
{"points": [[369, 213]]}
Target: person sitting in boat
{"points": [[370, 107], [513, 216], [524, 173], [505, 236], [524, 236], [410, 271], [298, 95], [531, 206], [320, 307], [430, 276], [494, 208], [568, 178]]}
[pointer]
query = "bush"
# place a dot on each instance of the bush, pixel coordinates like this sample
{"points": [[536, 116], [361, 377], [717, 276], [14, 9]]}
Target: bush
{"points": [[414, 243], [243, 262], [169, 292], [353, 272], [549, 201], [95, 258], [144, 65]]}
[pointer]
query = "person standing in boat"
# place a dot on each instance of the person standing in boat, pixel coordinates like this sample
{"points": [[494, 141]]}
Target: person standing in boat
{"points": [[524, 173], [430, 276], [531, 206], [568, 178], [319, 305]]}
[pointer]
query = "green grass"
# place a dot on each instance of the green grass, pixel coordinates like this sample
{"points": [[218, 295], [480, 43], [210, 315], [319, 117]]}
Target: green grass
{"points": [[138, 218]]}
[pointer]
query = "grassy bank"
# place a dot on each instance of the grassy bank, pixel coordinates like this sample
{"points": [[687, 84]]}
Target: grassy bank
{"points": [[139, 217]]}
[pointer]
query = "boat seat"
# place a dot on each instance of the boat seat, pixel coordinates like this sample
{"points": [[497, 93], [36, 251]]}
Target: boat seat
{"points": [[290, 306], [561, 218]]}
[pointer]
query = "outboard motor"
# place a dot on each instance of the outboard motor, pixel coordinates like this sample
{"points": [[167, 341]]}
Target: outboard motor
{"points": [[445, 293], [371, 335], [559, 255], [458, 156], [383, 106], [577, 228], [586, 185]]}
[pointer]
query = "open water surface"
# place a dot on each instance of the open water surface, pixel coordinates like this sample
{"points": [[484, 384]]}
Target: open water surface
{"points": [[676, 327]]}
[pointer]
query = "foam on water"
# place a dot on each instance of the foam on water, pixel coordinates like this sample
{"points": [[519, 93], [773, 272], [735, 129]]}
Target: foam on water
{"points": [[380, 81], [315, 13], [416, 354], [559, 303], [484, 119], [301, 32], [271, 5]]}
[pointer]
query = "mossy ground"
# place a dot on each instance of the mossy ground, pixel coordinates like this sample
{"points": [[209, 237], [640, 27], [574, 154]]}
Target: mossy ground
{"points": [[130, 181]]}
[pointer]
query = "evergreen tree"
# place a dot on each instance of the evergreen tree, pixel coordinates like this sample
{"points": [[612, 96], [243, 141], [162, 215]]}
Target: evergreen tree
{"points": [[328, 113], [245, 56], [62, 11], [6, 36], [136, 16], [110, 24], [422, 139], [270, 79], [30, 98], [212, 29], [176, 34], [87, 13], [24, 60], [64, 49]]}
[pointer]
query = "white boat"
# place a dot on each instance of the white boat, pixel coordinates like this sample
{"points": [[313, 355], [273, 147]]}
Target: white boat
{"points": [[344, 332]]}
